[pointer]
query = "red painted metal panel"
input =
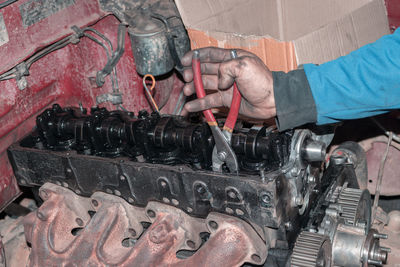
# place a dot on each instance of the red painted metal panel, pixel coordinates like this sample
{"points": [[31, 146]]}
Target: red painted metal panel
{"points": [[393, 8], [64, 76]]}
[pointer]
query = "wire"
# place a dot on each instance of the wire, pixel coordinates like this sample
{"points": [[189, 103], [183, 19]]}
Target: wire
{"points": [[114, 76], [176, 109], [7, 3], [148, 91], [396, 138], [380, 176]]}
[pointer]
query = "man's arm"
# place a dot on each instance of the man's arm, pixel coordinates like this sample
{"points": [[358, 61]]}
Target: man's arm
{"points": [[364, 83]]}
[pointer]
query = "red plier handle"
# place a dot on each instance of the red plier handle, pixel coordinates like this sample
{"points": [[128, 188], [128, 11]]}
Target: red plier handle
{"points": [[235, 104], [200, 92]]}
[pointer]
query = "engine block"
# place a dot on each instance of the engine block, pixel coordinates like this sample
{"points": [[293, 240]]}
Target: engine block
{"points": [[149, 160]]}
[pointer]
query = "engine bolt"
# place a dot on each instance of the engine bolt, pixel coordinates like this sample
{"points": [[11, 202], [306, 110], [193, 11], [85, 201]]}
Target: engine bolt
{"points": [[229, 210], [375, 262], [163, 184], [221, 155], [232, 194], [200, 189], [380, 236], [294, 172], [298, 201], [266, 198]]}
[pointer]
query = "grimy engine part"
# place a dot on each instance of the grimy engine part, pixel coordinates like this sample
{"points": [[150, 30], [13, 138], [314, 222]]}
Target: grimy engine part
{"points": [[156, 169]]}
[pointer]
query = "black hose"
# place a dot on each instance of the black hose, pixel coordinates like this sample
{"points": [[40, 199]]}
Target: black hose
{"points": [[6, 3]]}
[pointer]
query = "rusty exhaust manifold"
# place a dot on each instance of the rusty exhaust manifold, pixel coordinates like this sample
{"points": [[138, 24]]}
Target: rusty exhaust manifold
{"points": [[104, 230]]}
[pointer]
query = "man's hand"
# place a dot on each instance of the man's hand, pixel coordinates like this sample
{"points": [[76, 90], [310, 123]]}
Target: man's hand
{"points": [[219, 72]]}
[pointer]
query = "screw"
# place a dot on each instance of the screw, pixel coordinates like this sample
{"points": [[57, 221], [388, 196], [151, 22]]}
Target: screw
{"points": [[298, 201], [232, 194], [288, 225], [229, 210], [375, 262], [200, 189], [175, 202], [221, 155], [294, 172], [380, 236], [386, 249], [239, 212], [265, 198]]}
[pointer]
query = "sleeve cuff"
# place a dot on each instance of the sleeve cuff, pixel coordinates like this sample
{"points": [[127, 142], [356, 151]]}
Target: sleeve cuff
{"points": [[294, 102]]}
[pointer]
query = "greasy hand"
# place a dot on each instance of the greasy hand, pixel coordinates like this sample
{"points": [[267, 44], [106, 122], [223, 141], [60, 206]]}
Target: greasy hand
{"points": [[219, 72]]}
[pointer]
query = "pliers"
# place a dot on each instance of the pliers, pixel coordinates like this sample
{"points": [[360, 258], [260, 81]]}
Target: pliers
{"points": [[223, 152]]}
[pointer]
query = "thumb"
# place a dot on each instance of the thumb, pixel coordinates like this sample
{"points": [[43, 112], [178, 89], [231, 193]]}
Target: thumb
{"points": [[228, 72]]}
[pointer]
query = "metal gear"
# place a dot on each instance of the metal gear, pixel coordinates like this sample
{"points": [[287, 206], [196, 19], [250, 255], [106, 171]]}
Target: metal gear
{"points": [[355, 207], [311, 250]]}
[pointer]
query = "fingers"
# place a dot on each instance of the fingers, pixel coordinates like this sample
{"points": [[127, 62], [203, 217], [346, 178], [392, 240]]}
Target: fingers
{"points": [[228, 71], [213, 55], [206, 69], [210, 82], [207, 102], [207, 54]]}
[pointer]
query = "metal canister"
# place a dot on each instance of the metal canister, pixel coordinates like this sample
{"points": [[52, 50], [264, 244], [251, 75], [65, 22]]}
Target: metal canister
{"points": [[153, 48], [150, 49]]}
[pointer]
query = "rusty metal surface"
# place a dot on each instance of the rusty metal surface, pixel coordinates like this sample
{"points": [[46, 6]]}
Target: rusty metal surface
{"points": [[389, 224], [63, 233], [15, 251], [375, 148], [64, 76]]}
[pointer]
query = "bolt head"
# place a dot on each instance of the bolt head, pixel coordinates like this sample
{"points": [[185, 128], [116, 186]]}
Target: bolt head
{"points": [[298, 200], [266, 198], [221, 155], [294, 172]]}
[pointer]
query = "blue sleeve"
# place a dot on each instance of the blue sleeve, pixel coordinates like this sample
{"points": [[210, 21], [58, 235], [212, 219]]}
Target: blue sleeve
{"points": [[364, 83]]}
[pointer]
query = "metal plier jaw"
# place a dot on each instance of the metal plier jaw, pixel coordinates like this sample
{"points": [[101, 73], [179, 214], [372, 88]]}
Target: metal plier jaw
{"points": [[222, 152]]}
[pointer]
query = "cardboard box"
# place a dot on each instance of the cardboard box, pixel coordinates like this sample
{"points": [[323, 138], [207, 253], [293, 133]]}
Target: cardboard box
{"points": [[285, 33]]}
